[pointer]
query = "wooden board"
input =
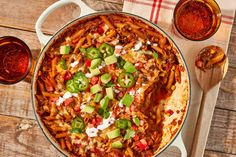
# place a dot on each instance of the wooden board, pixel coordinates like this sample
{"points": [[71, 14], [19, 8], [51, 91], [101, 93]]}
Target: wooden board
{"points": [[23, 137], [25, 17], [16, 108]]}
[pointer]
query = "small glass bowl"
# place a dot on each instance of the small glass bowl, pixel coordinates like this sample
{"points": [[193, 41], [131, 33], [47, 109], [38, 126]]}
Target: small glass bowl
{"points": [[200, 29], [15, 60]]}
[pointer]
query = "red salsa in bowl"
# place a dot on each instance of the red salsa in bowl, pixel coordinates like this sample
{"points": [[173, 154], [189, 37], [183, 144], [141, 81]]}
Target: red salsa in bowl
{"points": [[15, 60], [197, 19]]}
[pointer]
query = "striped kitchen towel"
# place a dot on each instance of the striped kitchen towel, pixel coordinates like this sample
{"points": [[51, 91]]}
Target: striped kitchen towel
{"points": [[160, 12]]}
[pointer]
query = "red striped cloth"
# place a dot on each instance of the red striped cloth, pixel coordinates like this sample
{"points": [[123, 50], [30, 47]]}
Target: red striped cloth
{"points": [[151, 9], [160, 12]]}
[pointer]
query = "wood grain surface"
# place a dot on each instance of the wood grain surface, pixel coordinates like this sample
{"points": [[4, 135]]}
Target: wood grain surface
{"points": [[19, 133]]}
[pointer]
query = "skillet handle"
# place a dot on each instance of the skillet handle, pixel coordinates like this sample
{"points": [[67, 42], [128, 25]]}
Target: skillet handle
{"points": [[45, 38], [179, 143]]}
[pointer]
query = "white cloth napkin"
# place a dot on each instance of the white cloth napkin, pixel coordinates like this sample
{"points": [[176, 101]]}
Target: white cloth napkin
{"points": [[161, 13]]}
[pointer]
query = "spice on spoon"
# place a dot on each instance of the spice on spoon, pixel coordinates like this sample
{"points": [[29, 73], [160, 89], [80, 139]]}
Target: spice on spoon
{"points": [[210, 57]]}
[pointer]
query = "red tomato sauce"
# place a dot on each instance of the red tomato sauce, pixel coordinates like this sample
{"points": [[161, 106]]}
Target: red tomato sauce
{"points": [[194, 19], [14, 61]]}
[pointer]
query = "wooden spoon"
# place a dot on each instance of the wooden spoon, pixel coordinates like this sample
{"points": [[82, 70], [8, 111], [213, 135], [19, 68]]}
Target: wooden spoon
{"points": [[207, 78]]}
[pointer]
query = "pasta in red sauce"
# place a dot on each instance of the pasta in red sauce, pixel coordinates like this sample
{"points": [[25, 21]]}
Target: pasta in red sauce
{"points": [[100, 83]]}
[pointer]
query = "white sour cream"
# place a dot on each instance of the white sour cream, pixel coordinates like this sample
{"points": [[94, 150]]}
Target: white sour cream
{"points": [[91, 132], [106, 122], [74, 64]]}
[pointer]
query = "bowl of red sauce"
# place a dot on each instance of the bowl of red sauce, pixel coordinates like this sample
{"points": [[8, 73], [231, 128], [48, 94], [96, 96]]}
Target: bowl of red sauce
{"points": [[15, 60], [197, 19]]}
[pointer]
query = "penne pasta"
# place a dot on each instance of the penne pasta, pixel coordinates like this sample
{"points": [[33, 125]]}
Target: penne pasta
{"points": [[68, 145], [107, 22], [155, 34], [79, 44], [129, 45], [62, 143], [46, 94], [133, 26], [111, 34], [158, 49], [170, 79], [77, 34], [61, 135]]}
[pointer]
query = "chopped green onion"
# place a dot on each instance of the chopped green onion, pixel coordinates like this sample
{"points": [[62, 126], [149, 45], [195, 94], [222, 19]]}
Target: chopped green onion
{"points": [[123, 124], [117, 144], [62, 64], [109, 92], [127, 100], [95, 71], [95, 88], [105, 78], [64, 49], [83, 50], [110, 60], [155, 55], [120, 62], [88, 109], [76, 130], [104, 113], [129, 134], [95, 63], [109, 84], [97, 97], [104, 102], [113, 134], [129, 67], [136, 121]]}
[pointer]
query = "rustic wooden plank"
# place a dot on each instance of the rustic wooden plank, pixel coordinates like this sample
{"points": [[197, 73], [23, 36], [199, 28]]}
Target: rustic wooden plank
{"points": [[227, 94], [232, 49], [25, 17], [232, 46], [23, 138], [217, 154], [222, 136], [15, 100]]}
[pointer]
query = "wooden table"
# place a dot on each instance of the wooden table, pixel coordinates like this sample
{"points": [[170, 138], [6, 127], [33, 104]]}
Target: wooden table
{"points": [[20, 134]]}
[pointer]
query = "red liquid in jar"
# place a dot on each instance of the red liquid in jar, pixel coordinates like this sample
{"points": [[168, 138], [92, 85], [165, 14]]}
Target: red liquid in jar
{"points": [[14, 60], [194, 20]]}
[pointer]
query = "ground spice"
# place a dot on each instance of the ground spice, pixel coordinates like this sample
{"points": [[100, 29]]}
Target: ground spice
{"points": [[14, 61], [194, 19]]}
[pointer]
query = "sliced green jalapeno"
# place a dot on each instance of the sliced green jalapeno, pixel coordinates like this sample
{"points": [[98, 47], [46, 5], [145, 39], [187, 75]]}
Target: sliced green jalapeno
{"points": [[77, 125], [93, 53], [81, 80], [106, 50], [126, 80], [71, 86]]}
